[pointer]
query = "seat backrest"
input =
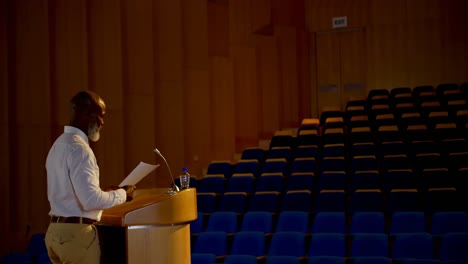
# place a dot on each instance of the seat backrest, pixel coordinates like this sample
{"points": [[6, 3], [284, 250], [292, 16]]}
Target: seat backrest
{"points": [[211, 243], [257, 221], [292, 221], [453, 247], [413, 245], [449, 222], [369, 245], [297, 200], [287, 244], [327, 245], [407, 222], [233, 202], [222, 221], [329, 222], [367, 222], [248, 243]]}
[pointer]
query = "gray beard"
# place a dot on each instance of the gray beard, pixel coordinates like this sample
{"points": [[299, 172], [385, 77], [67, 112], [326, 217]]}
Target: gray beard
{"points": [[93, 132]]}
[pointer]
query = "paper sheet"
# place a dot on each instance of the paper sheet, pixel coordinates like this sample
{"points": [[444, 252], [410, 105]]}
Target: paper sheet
{"points": [[138, 174]]}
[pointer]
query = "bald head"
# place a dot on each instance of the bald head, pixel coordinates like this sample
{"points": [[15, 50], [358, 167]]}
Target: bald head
{"points": [[87, 109]]}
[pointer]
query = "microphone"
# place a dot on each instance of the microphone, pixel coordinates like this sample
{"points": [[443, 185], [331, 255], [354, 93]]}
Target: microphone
{"points": [[175, 188]]}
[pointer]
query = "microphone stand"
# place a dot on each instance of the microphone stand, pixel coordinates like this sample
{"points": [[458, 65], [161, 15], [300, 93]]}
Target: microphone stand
{"points": [[175, 189]]}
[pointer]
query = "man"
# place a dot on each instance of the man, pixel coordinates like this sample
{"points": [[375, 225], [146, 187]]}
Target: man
{"points": [[75, 198]]}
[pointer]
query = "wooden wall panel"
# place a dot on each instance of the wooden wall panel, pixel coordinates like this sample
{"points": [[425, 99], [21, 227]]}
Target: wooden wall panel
{"points": [[287, 54], [261, 15], [169, 85], [303, 71], [105, 65], [194, 30], [218, 28], [69, 60], [424, 42], [31, 113], [240, 25], [268, 74], [4, 126], [138, 86], [454, 41], [222, 109], [387, 43], [246, 96], [197, 107]]}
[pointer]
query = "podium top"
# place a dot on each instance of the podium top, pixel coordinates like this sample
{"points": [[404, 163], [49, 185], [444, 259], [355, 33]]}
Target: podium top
{"points": [[153, 207]]}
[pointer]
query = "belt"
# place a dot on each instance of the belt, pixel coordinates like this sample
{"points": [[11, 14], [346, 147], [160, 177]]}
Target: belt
{"points": [[72, 220]]}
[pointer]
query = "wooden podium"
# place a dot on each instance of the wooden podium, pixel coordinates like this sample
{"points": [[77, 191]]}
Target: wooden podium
{"points": [[153, 228]]}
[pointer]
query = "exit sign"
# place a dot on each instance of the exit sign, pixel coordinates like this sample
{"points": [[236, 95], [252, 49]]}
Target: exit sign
{"points": [[340, 22]]}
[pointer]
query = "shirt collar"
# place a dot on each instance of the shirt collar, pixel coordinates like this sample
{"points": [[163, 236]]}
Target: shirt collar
{"points": [[74, 130]]}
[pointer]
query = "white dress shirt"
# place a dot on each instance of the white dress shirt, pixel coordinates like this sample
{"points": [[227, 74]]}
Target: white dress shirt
{"points": [[73, 178]]}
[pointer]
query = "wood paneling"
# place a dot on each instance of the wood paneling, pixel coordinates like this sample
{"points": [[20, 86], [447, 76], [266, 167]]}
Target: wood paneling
{"points": [[222, 109], [268, 81], [199, 80]]}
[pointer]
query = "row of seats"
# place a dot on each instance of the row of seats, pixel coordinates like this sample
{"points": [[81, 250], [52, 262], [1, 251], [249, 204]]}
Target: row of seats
{"points": [[450, 247], [369, 200], [396, 175], [436, 224], [247, 259]]}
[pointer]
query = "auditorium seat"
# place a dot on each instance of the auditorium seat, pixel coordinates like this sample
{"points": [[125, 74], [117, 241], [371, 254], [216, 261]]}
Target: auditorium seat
{"points": [[282, 260], [453, 247], [296, 200], [364, 179], [223, 167], [449, 222], [264, 201], [257, 221], [327, 244], [236, 259], [233, 202], [413, 246], [366, 200], [247, 166], [222, 221], [332, 180], [287, 244], [249, 243], [332, 164], [293, 221], [272, 181], [203, 258], [304, 165], [399, 179], [275, 165], [301, 181], [330, 201], [207, 202], [241, 182], [253, 153], [407, 222], [306, 151], [279, 153], [403, 200], [211, 243], [329, 222], [211, 184], [309, 137], [326, 260], [372, 260], [367, 222], [369, 245]]}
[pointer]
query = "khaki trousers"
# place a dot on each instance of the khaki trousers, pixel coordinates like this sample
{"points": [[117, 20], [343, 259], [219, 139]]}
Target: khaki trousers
{"points": [[73, 243]]}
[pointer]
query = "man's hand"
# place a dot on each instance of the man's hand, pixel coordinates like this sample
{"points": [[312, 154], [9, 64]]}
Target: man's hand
{"points": [[130, 189]]}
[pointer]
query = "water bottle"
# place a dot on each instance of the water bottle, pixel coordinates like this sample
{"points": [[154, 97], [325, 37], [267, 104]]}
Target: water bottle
{"points": [[184, 179]]}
